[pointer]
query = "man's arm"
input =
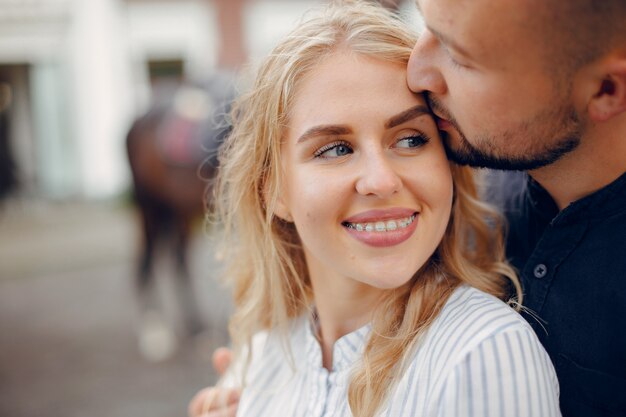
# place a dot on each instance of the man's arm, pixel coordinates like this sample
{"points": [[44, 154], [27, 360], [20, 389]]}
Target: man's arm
{"points": [[214, 401]]}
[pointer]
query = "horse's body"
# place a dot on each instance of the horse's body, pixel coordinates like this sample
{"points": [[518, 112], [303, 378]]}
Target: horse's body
{"points": [[171, 151]]}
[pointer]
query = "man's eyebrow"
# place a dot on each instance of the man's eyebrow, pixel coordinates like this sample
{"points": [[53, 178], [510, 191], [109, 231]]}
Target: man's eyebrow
{"points": [[407, 115], [449, 43], [324, 130], [442, 38]]}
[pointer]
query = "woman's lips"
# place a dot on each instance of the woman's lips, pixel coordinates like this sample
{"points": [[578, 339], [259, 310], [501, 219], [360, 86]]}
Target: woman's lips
{"points": [[380, 215], [382, 228]]}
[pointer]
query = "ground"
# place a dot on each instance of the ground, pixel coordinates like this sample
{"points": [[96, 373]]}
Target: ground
{"points": [[69, 316]]}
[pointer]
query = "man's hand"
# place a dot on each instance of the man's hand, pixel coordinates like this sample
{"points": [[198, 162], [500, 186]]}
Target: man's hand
{"points": [[212, 401], [222, 357]]}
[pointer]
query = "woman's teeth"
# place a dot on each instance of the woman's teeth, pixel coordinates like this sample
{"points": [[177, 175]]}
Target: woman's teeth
{"points": [[381, 226]]}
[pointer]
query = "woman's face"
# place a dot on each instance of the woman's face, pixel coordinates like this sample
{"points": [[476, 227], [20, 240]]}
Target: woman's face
{"points": [[366, 179]]}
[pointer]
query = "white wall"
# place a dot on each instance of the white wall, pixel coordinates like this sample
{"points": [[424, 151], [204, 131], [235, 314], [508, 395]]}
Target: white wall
{"points": [[267, 21], [99, 99], [160, 30]]}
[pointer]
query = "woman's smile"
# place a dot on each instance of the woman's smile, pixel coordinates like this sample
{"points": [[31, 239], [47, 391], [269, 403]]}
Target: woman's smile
{"points": [[378, 228]]}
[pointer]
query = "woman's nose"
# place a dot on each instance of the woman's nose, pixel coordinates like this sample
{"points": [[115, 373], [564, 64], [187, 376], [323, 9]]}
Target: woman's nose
{"points": [[424, 69], [378, 178]]}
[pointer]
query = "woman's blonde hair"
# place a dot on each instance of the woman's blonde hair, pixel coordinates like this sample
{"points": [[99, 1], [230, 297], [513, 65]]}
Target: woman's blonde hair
{"points": [[265, 261]]}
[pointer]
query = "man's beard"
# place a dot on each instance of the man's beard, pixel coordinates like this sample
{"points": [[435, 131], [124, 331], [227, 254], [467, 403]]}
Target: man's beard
{"points": [[567, 127]]}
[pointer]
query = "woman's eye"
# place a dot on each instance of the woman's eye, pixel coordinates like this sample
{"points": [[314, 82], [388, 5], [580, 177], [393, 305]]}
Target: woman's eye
{"points": [[333, 150], [412, 141]]}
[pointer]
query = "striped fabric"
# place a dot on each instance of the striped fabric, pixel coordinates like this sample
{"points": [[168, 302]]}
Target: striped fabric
{"points": [[479, 358]]}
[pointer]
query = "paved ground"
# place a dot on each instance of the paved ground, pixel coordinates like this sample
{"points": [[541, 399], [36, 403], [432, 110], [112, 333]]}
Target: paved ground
{"points": [[68, 317]]}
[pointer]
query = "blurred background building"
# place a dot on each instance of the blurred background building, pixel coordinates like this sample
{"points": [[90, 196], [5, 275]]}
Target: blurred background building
{"points": [[74, 75]]}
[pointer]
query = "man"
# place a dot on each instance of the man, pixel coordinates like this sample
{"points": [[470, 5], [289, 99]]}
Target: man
{"points": [[540, 86]]}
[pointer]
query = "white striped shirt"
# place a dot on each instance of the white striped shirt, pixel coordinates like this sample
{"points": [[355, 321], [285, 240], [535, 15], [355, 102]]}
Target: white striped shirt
{"points": [[479, 358]]}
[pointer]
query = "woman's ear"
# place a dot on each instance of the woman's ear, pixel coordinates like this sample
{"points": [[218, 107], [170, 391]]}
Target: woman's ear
{"points": [[277, 205], [609, 99], [282, 211]]}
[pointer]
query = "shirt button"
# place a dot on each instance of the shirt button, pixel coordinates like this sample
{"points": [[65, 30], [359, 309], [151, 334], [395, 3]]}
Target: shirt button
{"points": [[540, 271]]}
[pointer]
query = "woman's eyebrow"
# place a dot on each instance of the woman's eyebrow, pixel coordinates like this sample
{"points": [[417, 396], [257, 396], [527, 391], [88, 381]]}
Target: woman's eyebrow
{"points": [[324, 130], [407, 115], [398, 119]]}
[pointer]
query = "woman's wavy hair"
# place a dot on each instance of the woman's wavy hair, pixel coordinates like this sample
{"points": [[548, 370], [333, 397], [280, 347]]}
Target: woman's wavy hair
{"points": [[264, 258]]}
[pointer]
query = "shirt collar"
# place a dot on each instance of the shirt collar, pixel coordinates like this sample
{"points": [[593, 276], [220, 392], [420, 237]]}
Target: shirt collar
{"points": [[605, 201], [346, 351], [540, 199]]}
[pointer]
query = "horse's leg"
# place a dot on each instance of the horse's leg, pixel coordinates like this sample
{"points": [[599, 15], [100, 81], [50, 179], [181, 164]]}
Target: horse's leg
{"points": [[183, 231], [150, 231], [157, 341], [189, 305]]}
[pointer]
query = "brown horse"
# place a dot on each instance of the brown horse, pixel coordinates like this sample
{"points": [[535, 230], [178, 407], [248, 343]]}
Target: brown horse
{"points": [[172, 154]]}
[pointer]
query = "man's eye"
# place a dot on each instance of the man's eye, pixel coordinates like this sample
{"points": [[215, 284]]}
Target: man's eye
{"points": [[455, 62], [414, 141], [333, 150]]}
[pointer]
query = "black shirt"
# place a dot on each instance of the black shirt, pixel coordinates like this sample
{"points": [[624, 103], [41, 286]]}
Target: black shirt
{"points": [[572, 265]]}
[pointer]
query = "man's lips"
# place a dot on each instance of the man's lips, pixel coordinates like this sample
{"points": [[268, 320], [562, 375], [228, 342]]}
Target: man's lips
{"points": [[442, 124]]}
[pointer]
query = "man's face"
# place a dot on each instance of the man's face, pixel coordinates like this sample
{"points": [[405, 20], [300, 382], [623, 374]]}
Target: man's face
{"points": [[485, 70]]}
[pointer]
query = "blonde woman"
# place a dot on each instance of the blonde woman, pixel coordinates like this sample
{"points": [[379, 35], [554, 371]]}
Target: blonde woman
{"points": [[367, 281]]}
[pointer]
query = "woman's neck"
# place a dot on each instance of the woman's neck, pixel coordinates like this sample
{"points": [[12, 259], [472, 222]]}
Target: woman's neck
{"points": [[343, 306]]}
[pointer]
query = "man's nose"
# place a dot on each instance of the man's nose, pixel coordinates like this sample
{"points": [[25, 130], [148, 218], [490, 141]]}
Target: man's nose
{"points": [[378, 177], [423, 73]]}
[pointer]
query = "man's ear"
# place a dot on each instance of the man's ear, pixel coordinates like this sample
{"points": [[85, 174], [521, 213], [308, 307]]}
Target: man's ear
{"points": [[609, 99]]}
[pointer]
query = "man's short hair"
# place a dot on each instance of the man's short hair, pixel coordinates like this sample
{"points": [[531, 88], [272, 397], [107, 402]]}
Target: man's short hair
{"points": [[580, 31]]}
